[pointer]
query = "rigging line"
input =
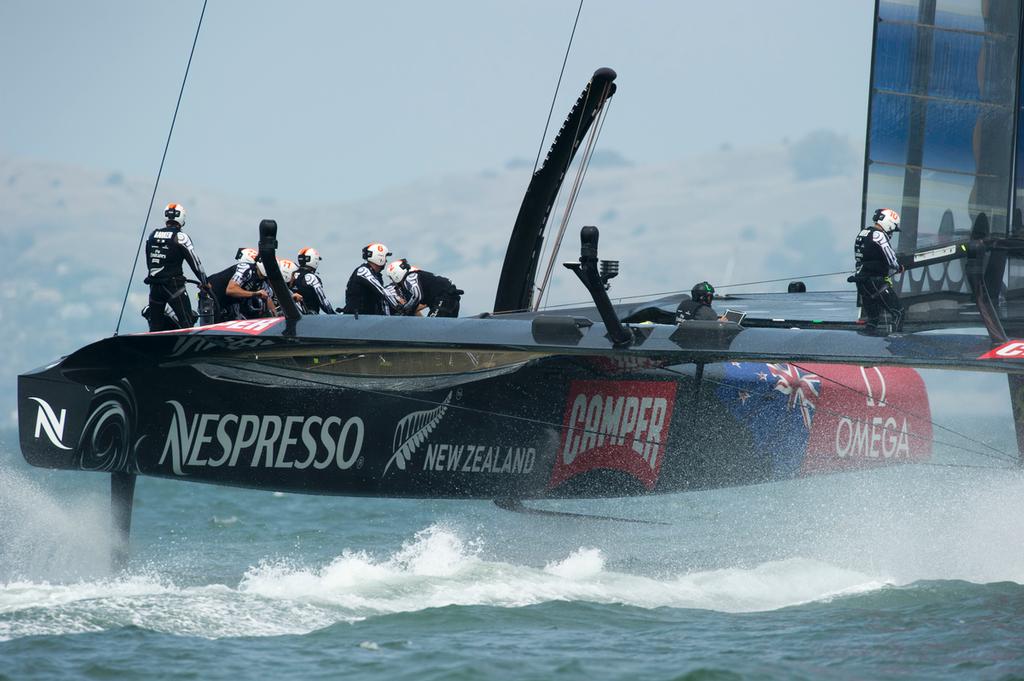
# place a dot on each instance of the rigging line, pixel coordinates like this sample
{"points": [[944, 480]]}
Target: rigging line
{"points": [[907, 412], [541, 422], [570, 205], [437, 403], [565, 170], [547, 246], [160, 171], [965, 465], [796, 276], [619, 299], [866, 422], [554, 97], [584, 168], [774, 395]]}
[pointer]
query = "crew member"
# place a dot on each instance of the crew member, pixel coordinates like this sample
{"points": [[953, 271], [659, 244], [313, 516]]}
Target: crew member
{"points": [[288, 270], [227, 306], [309, 285], [422, 289], [366, 292], [699, 305], [166, 249], [876, 263], [250, 288]]}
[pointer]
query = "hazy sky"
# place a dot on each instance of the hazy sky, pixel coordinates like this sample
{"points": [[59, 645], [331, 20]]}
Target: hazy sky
{"points": [[325, 101]]}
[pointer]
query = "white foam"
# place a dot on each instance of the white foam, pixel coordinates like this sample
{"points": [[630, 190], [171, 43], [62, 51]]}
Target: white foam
{"points": [[437, 569], [852, 539], [210, 611], [581, 564]]}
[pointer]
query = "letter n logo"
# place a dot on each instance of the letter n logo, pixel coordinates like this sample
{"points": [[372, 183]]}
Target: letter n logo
{"points": [[48, 422]]}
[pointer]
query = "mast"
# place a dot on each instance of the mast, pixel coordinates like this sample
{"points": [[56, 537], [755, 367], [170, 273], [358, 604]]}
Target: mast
{"points": [[516, 285]]}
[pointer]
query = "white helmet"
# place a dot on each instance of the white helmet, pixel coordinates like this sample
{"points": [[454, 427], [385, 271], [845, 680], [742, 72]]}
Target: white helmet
{"points": [[288, 269], [397, 269], [309, 257], [175, 212], [247, 255], [376, 253], [887, 219]]}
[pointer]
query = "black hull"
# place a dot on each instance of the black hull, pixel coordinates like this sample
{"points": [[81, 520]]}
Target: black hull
{"points": [[322, 416]]}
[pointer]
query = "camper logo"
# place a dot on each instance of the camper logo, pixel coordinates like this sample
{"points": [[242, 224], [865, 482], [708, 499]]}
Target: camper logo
{"points": [[49, 423], [615, 425], [1010, 350]]}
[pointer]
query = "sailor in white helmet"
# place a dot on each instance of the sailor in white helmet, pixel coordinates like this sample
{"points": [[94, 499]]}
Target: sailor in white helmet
{"points": [[366, 292], [227, 305], [876, 263], [166, 249], [250, 288], [422, 289], [309, 285], [288, 270]]}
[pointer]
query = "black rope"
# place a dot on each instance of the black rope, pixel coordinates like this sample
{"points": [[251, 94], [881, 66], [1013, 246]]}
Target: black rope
{"points": [[581, 175], [790, 278], [907, 412], [551, 111], [678, 291], [776, 395], [965, 465], [580, 429], [160, 171]]}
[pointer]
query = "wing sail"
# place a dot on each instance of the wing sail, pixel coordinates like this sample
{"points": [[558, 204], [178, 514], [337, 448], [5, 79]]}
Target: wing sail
{"points": [[943, 146]]}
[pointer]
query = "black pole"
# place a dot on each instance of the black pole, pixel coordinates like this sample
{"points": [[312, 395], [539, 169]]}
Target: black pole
{"points": [[122, 496], [586, 270], [268, 256]]}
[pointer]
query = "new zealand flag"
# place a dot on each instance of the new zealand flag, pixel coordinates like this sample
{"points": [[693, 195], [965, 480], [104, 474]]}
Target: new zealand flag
{"points": [[776, 402]]}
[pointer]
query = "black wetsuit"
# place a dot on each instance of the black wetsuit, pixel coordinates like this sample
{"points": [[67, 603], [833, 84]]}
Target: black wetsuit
{"points": [[694, 309], [309, 285], [438, 293], [227, 306], [248, 277], [366, 293], [876, 262], [166, 249]]}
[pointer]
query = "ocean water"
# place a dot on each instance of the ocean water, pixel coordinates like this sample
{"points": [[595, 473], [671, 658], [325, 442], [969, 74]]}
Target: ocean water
{"points": [[897, 573]]}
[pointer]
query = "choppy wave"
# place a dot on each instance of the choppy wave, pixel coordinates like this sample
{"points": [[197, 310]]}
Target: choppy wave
{"points": [[435, 568], [830, 540]]}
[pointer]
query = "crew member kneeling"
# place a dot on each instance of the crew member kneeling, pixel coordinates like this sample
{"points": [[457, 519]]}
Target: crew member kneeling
{"points": [[876, 263], [249, 287], [166, 248], [426, 289]]}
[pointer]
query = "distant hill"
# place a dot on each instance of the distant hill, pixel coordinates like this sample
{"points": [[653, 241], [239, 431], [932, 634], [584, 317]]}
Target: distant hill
{"points": [[737, 215]]}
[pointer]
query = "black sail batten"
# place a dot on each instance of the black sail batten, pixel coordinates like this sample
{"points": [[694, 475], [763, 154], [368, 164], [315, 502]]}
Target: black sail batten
{"points": [[516, 285]]}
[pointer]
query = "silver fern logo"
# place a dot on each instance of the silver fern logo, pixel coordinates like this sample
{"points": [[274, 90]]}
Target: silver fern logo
{"points": [[412, 430]]}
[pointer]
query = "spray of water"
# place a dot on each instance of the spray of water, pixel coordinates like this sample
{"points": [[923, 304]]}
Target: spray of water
{"points": [[44, 537]]}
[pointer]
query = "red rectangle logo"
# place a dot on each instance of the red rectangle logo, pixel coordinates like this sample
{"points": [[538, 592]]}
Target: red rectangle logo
{"points": [[1010, 350], [868, 416], [616, 425], [250, 327]]}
